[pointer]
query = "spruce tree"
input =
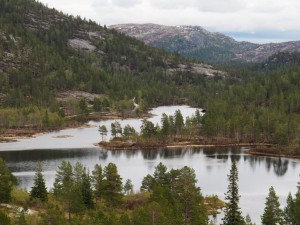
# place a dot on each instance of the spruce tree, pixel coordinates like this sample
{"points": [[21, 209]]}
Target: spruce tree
{"points": [[289, 210], [86, 190], [233, 214], [98, 181], [7, 181], [296, 209], [39, 190], [273, 215]]}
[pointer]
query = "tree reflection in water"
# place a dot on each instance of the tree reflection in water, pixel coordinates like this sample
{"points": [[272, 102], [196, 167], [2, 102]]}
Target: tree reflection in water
{"points": [[280, 166]]}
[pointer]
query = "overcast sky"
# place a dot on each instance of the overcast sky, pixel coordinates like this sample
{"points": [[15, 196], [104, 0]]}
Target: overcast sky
{"points": [[253, 20]]}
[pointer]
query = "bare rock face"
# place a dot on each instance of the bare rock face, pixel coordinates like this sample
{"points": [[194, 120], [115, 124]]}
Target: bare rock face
{"points": [[196, 42], [82, 44]]}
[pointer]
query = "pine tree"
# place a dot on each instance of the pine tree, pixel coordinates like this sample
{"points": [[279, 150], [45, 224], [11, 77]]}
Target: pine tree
{"points": [[7, 181], [103, 131], [179, 122], [113, 130], [189, 196], [98, 181], [233, 215], [160, 175], [289, 210], [296, 210], [248, 220], [112, 185], [128, 187], [86, 190], [39, 190], [128, 131], [165, 129], [64, 178], [273, 215]]}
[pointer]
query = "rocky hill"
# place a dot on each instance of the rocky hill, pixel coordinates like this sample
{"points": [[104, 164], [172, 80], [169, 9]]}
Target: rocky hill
{"points": [[196, 42], [44, 52]]}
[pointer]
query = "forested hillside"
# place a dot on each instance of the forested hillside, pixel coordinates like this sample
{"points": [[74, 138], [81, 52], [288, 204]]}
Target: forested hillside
{"points": [[44, 53], [47, 57]]}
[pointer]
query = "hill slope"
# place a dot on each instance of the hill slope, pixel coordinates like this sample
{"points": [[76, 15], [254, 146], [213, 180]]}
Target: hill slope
{"points": [[196, 42], [50, 62], [47, 50]]}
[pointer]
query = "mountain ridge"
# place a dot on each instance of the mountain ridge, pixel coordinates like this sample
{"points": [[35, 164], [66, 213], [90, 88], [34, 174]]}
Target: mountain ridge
{"points": [[197, 42]]}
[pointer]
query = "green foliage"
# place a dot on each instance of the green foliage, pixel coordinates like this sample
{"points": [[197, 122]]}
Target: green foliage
{"points": [[39, 190], [233, 214], [289, 210], [86, 190], [7, 181], [98, 181], [153, 213], [112, 185], [296, 208], [128, 131], [248, 220], [177, 190], [103, 131], [272, 213], [53, 215], [179, 123], [20, 196], [116, 129], [125, 220], [148, 129], [4, 218], [128, 187]]}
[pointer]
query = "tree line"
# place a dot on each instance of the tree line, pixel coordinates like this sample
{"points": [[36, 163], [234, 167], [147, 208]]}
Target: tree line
{"points": [[100, 197]]}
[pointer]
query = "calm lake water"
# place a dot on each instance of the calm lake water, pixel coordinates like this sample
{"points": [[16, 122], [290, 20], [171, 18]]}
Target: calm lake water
{"points": [[256, 174]]}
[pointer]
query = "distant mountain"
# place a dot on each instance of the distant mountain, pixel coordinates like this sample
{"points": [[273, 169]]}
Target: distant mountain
{"points": [[196, 42]]}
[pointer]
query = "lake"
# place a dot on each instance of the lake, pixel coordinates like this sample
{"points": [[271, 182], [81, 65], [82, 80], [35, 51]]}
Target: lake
{"points": [[256, 173]]}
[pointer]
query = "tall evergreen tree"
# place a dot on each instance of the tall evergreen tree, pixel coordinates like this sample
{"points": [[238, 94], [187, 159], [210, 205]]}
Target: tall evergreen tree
{"points": [[7, 181], [296, 209], [233, 215], [190, 198], [165, 128], [112, 185], [86, 190], [103, 131], [273, 215], [289, 210], [179, 122], [64, 178], [98, 181], [39, 190]]}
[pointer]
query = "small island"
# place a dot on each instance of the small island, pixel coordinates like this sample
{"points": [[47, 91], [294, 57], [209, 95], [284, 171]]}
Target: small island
{"points": [[176, 132]]}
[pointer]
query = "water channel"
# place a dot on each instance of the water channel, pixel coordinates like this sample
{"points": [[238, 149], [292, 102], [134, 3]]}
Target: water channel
{"points": [[256, 174]]}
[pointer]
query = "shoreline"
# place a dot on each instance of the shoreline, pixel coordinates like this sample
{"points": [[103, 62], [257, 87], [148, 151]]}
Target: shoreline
{"points": [[26, 133], [125, 146]]}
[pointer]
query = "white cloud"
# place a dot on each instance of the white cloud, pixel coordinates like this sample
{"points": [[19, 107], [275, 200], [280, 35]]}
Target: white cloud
{"points": [[116, 3], [217, 15], [201, 5]]}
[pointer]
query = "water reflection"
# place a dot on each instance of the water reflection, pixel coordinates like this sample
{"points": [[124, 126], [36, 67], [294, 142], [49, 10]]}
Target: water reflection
{"points": [[18, 159], [210, 164]]}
